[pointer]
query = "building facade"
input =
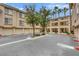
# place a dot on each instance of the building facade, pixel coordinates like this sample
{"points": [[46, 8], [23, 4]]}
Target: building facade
{"points": [[12, 21], [75, 19], [59, 25]]}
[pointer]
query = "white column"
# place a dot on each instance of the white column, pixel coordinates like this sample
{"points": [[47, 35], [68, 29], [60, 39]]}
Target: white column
{"points": [[58, 30]]}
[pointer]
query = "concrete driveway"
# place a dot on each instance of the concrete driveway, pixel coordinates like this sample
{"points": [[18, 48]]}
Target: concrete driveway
{"points": [[43, 46]]}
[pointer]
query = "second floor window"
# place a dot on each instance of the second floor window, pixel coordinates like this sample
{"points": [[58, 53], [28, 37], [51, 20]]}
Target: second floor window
{"points": [[78, 8], [8, 11], [64, 23], [21, 15], [21, 22], [8, 21], [54, 24]]}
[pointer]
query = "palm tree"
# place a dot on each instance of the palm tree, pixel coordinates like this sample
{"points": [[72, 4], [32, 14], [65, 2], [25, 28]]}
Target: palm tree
{"points": [[31, 17], [65, 10], [53, 13], [70, 9], [59, 11], [44, 18], [56, 10]]}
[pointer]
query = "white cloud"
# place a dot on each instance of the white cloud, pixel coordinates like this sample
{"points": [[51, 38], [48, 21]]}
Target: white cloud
{"points": [[21, 8], [65, 6], [51, 6]]}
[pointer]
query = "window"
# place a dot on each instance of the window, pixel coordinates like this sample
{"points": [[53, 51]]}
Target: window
{"points": [[61, 23], [11, 12], [61, 30], [55, 24], [21, 22], [48, 30], [21, 15], [78, 8], [8, 21], [8, 11], [55, 30], [66, 29], [64, 23]]}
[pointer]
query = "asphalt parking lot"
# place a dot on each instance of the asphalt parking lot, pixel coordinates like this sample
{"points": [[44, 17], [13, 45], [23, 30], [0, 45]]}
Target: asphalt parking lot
{"points": [[11, 38], [43, 46]]}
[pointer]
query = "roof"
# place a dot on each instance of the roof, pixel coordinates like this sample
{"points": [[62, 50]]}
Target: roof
{"points": [[11, 7], [59, 18]]}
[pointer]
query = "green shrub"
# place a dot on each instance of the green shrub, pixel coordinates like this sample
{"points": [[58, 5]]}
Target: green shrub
{"points": [[67, 32]]}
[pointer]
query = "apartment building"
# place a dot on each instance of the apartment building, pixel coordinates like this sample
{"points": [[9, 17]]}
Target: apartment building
{"points": [[12, 21], [59, 25], [75, 19]]}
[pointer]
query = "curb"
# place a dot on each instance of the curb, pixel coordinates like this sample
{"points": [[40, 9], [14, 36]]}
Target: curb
{"points": [[39, 37], [76, 47], [76, 40], [9, 43]]}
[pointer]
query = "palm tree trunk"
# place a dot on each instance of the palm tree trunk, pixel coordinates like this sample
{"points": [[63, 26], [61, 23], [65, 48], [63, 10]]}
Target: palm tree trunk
{"points": [[64, 14], [43, 30], [58, 15], [33, 30], [53, 16], [70, 21], [70, 7]]}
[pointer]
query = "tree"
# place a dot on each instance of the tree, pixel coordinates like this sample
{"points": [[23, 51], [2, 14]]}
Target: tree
{"points": [[45, 13], [59, 11], [65, 10], [31, 17], [53, 13], [71, 5], [56, 10]]}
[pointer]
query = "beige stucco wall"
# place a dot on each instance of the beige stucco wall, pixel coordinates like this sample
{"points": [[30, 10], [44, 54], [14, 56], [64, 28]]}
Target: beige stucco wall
{"points": [[1, 15], [76, 31], [26, 31], [18, 31], [1, 31], [7, 31], [75, 20], [67, 20]]}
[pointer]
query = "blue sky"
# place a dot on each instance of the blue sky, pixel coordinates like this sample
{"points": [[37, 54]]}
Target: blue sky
{"points": [[39, 5], [21, 6]]}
